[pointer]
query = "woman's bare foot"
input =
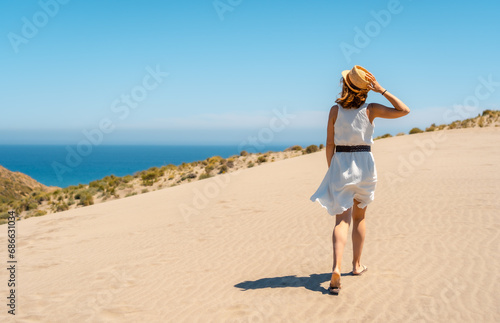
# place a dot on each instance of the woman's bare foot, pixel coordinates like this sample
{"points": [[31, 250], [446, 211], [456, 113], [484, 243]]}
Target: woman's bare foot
{"points": [[358, 269], [335, 286], [335, 281]]}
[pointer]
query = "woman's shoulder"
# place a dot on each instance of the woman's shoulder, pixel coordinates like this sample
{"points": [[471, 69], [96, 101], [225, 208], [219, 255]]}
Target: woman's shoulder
{"points": [[375, 108], [334, 111], [370, 112]]}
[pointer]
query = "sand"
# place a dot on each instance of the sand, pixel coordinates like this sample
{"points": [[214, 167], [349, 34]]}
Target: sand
{"points": [[250, 246]]}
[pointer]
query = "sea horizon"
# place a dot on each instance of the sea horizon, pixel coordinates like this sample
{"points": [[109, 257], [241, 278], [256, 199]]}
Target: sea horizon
{"points": [[62, 165]]}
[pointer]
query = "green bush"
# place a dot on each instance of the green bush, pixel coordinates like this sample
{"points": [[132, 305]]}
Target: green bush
{"points": [[294, 148], [467, 123], [204, 175], [261, 159], [96, 184], [39, 213], [223, 169], [86, 198], [321, 146], [150, 176], [71, 188], [187, 176], [169, 167], [216, 160], [127, 178], [243, 153], [35, 214], [311, 149], [63, 207], [387, 135], [415, 130], [480, 122], [491, 113], [250, 164], [40, 197], [432, 127], [183, 166]]}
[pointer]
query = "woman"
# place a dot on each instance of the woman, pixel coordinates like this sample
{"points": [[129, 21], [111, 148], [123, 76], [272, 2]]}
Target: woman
{"points": [[349, 184]]}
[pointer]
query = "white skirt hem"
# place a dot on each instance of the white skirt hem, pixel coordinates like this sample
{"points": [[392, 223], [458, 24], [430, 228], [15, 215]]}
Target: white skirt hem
{"points": [[334, 210]]}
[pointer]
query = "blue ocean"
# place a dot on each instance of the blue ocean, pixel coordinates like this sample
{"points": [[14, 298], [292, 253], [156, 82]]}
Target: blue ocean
{"points": [[62, 165]]}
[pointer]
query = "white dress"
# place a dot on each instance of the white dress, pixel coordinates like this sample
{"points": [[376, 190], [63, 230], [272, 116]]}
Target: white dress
{"points": [[352, 175]]}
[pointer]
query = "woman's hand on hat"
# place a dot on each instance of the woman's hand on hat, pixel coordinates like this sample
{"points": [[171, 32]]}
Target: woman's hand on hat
{"points": [[373, 83]]}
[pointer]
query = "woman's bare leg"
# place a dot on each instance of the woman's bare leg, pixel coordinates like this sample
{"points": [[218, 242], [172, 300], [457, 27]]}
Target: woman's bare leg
{"points": [[358, 236], [339, 238]]}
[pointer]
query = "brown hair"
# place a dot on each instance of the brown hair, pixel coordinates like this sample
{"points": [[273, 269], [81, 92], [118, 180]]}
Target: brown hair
{"points": [[350, 99]]}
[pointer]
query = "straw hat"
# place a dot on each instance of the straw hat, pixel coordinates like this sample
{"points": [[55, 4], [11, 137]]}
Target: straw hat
{"points": [[356, 78]]}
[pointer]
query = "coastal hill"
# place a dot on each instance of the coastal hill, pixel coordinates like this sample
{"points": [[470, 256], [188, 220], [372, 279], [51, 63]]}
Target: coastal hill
{"points": [[30, 199], [16, 185]]}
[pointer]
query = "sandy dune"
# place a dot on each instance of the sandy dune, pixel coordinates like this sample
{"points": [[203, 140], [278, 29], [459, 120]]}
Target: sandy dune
{"points": [[251, 247]]}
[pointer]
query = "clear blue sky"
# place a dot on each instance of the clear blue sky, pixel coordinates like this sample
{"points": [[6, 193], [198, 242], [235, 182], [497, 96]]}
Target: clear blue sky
{"points": [[228, 70]]}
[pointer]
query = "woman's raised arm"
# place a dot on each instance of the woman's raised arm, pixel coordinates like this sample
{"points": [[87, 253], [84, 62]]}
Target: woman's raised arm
{"points": [[381, 111]]}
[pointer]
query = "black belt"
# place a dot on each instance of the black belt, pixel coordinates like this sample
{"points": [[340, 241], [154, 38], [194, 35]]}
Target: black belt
{"points": [[352, 148]]}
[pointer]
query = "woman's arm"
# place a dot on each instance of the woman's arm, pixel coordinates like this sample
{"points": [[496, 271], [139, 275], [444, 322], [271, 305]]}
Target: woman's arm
{"points": [[330, 135], [379, 110]]}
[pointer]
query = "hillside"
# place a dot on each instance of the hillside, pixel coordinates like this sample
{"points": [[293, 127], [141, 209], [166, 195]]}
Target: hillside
{"points": [[16, 185]]}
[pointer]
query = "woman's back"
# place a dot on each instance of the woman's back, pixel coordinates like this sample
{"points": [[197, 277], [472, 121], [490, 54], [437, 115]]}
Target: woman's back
{"points": [[353, 127]]}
